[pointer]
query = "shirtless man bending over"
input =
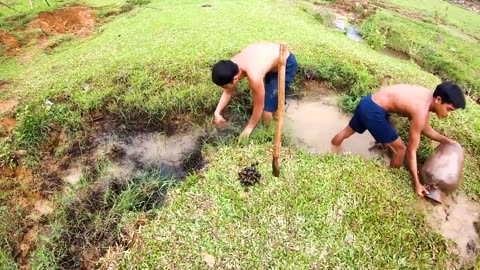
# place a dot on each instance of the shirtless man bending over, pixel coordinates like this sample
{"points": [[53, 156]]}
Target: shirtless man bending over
{"points": [[414, 102], [258, 62]]}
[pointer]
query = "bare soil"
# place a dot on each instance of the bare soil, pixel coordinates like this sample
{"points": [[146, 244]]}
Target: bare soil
{"points": [[77, 20], [10, 43]]}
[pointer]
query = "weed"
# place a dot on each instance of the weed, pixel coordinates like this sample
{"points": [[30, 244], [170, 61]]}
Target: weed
{"points": [[6, 260], [7, 154], [374, 35], [325, 17]]}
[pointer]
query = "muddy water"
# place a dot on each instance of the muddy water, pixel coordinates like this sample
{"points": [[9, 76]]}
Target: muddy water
{"points": [[456, 220], [314, 120], [152, 150]]}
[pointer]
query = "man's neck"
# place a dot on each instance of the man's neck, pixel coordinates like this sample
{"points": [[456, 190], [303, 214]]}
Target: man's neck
{"points": [[432, 100]]}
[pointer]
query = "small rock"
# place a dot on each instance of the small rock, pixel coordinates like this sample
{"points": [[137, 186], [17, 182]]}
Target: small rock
{"points": [[349, 238], [85, 86], [21, 152], [206, 5], [43, 207], [209, 259], [48, 103]]}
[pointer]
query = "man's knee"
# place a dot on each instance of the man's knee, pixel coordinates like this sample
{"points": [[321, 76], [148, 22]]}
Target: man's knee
{"points": [[399, 149], [267, 117]]}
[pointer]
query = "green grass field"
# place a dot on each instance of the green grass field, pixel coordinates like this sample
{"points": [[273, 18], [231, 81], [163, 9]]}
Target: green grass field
{"points": [[153, 62]]}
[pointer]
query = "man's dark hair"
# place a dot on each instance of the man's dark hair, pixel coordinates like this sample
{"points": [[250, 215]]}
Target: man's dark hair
{"points": [[451, 94], [223, 72]]}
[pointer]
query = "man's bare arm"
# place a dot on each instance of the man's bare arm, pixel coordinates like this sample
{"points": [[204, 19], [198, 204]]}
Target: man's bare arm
{"points": [[434, 135], [224, 99], [416, 128], [258, 89]]}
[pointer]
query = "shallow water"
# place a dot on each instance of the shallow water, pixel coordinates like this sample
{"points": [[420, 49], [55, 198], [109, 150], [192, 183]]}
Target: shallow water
{"points": [[315, 120]]}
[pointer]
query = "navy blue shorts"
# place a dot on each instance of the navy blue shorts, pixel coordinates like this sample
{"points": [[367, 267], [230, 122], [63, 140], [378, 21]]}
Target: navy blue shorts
{"points": [[271, 84], [368, 115]]}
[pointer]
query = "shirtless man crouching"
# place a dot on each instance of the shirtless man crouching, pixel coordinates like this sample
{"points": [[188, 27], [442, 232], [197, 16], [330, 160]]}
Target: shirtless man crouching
{"points": [[414, 102], [258, 62]]}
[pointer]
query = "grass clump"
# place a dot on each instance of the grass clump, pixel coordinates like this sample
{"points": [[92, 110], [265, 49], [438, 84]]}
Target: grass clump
{"points": [[312, 216], [373, 34]]}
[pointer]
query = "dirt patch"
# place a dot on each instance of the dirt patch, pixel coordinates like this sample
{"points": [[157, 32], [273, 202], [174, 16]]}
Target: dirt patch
{"points": [[76, 20], [472, 5], [456, 220], [10, 43], [356, 10], [3, 85], [8, 123], [8, 106]]}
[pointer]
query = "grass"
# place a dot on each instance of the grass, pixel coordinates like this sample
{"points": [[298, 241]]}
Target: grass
{"points": [[435, 49], [96, 214], [444, 12], [148, 65], [313, 216]]}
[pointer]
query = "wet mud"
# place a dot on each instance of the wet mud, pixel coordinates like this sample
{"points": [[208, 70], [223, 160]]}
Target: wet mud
{"points": [[457, 220]]}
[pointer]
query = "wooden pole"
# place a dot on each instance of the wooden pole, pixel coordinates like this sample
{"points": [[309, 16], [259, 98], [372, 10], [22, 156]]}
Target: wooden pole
{"points": [[282, 59]]}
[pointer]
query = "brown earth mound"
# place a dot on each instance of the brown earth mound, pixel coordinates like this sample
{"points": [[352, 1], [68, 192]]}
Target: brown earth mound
{"points": [[77, 20], [8, 106], [11, 44]]}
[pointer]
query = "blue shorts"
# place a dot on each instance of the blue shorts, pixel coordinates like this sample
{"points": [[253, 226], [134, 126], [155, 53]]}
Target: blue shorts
{"points": [[271, 84], [368, 115]]}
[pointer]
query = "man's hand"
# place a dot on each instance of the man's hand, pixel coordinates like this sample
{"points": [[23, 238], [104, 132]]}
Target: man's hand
{"points": [[246, 132], [448, 140], [421, 190], [219, 120]]}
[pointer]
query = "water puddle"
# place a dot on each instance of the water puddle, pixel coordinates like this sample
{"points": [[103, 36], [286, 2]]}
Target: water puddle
{"points": [[315, 120], [458, 220], [171, 154]]}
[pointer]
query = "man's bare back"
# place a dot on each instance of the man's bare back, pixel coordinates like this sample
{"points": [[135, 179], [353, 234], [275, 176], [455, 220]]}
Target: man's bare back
{"points": [[407, 100], [258, 59]]}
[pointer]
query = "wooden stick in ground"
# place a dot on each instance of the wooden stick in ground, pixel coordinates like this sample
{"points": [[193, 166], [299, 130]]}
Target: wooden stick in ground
{"points": [[282, 59]]}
